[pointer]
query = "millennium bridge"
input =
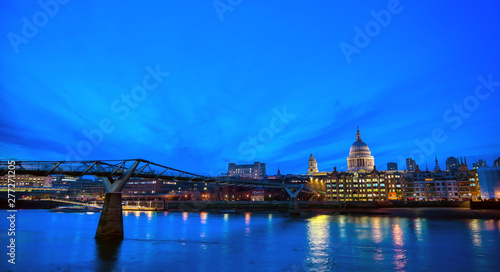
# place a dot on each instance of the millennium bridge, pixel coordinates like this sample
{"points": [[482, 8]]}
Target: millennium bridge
{"points": [[116, 173]]}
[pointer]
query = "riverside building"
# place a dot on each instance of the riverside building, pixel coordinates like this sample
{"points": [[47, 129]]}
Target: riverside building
{"points": [[256, 170], [363, 182]]}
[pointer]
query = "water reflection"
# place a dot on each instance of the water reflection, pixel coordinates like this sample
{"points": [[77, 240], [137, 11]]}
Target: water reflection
{"points": [[247, 222], [185, 216], [318, 236], [489, 225], [376, 232], [475, 230], [418, 229], [270, 231], [225, 226], [377, 238], [397, 235], [149, 214], [203, 232], [364, 221], [107, 253], [342, 227], [399, 259], [203, 217], [247, 218]]}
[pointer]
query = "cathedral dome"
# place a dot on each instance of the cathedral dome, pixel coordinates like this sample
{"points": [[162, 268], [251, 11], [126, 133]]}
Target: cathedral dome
{"points": [[359, 148], [360, 157]]}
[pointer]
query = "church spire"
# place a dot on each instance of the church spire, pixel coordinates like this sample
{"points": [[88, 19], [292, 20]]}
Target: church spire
{"points": [[437, 168], [463, 165], [358, 135]]}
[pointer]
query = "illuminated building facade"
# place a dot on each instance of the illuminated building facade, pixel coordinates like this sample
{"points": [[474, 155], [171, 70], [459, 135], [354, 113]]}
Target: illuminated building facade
{"points": [[136, 187], [27, 181], [258, 194], [86, 189], [360, 185], [458, 185], [363, 182], [256, 170], [154, 188], [240, 193]]}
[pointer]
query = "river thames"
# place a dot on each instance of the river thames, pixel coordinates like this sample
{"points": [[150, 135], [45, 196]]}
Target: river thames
{"points": [[194, 241]]}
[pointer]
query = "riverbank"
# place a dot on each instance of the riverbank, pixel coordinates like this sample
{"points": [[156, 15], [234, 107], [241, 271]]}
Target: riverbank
{"points": [[427, 209], [436, 213]]}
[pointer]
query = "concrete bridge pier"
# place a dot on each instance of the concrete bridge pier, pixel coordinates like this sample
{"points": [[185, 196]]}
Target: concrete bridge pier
{"points": [[293, 207], [110, 225], [111, 220]]}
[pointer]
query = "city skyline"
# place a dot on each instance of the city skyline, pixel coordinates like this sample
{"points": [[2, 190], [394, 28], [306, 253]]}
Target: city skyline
{"points": [[258, 82]]}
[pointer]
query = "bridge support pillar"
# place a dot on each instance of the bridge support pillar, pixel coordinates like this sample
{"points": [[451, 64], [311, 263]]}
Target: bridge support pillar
{"points": [[293, 207], [111, 222], [110, 225]]}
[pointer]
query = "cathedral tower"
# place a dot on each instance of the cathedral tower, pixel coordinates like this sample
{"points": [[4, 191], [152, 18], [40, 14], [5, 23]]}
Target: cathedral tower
{"points": [[313, 165]]}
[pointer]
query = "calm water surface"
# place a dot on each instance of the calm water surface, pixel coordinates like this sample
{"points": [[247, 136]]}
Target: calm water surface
{"points": [[177, 241]]}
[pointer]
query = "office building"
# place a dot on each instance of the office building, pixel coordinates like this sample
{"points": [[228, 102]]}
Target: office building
{"points": [[489, 182], [480, 163], [452, 163], [26, 181], [496, 163], [256, 170], [392, 166], [411, 165]]}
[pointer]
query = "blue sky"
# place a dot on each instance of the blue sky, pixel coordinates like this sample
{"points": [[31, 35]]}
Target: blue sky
{"points": [[235, 81]]}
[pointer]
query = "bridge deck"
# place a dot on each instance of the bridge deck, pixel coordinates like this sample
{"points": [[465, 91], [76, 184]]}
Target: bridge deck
{"points": [[115, 168]]}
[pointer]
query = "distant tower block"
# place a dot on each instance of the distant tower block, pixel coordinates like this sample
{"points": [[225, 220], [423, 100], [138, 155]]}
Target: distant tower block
{"points": [[313, 165], [392, 166]]}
